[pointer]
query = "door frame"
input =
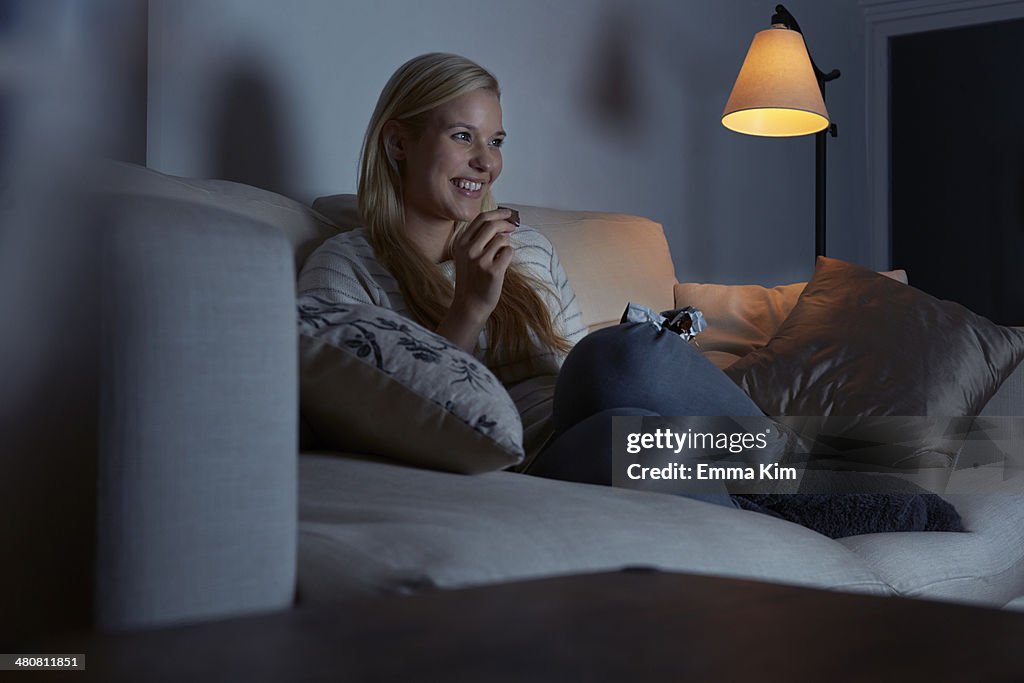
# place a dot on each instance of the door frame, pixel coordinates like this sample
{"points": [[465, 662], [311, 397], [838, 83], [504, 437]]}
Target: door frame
{"points": [[885, 19]]}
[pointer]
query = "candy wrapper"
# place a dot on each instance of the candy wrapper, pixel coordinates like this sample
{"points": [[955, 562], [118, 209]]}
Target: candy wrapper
{"points": [[687, 322]]}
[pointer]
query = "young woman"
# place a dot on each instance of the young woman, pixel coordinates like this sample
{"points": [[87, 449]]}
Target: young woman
{"points": [[437, 249]]}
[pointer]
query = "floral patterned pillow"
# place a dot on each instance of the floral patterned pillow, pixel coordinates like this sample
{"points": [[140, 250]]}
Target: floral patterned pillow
{"points": [[373, 381]]}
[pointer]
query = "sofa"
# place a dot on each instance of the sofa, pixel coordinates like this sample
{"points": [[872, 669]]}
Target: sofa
{"points": [[205, 506]]}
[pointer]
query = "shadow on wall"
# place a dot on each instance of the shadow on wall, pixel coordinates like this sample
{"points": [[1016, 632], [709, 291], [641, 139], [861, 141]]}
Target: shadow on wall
{"points": [[721, 219], [611, 91], [251, 132], [662, 49]]}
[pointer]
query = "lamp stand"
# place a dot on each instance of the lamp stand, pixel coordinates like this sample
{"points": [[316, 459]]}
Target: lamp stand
{"points": [[782, 16], [820, 167], [820, 170]]}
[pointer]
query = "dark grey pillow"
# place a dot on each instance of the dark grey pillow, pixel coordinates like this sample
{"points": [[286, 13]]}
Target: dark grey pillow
{"points": [[876, 352]]}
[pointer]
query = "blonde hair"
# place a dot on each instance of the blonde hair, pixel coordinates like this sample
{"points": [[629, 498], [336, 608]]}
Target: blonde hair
{"points": [[418, 86]]}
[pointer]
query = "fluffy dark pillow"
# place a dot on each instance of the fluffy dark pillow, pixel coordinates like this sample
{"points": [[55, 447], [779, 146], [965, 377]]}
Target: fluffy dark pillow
{"points": [[875, 352]]}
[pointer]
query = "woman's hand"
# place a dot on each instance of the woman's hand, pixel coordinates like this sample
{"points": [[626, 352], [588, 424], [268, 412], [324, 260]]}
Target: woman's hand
{"points": [[482, 254]]}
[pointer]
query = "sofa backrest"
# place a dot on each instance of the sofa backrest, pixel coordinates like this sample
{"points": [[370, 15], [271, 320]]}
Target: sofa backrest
{"points": [[303, 227], [610, 258]]}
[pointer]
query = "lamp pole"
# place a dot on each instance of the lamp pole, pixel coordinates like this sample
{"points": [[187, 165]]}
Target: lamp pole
{"points": [[782, 16]]}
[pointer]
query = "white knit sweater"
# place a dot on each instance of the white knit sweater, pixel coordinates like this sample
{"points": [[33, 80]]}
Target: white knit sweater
{"points": [[345, 270]]}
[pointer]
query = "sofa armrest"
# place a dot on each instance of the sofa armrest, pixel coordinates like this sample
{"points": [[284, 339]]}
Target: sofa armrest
{"points": [[198, 412]]}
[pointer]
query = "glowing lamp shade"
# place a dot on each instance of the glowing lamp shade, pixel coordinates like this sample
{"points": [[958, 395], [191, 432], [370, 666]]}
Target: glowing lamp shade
{"points": [[776, 93]]}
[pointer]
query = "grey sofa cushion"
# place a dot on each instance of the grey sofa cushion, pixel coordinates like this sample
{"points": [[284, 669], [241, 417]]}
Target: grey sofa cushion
{"points": [[1009, 400], [984, 565], [368, 527]]}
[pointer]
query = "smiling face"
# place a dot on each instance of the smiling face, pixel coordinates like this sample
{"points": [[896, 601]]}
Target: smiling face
{"points": [[452, 159]]}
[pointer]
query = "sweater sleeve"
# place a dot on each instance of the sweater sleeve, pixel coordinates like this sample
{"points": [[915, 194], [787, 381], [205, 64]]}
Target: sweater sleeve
{"points": [[570, 318], [341, 272]]}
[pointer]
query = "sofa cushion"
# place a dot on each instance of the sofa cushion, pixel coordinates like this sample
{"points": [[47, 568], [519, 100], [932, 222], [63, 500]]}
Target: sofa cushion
{"points": [[742, 318], [341, 209], [368, 527], [984, 565], [373, 381], [861, 345], [1009, 400], [304, 228], [611, 259]]}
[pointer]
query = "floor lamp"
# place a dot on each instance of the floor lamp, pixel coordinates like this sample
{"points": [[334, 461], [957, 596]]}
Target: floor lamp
{"points": [[780, 92]]}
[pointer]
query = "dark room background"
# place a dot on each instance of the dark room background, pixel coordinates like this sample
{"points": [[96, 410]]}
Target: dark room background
{"points": [[958, 165]]}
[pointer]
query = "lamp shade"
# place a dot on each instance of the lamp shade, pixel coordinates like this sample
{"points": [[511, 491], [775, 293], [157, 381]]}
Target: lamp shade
{"points": [[776, 93]]}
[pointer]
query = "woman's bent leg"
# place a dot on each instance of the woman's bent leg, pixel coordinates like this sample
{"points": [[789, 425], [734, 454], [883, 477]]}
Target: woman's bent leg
{"points": [[637, 365], [584, 453], [630, 369]]}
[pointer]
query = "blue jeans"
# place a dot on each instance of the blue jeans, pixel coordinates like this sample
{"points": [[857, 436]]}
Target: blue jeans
{"points": [[630, 369]]}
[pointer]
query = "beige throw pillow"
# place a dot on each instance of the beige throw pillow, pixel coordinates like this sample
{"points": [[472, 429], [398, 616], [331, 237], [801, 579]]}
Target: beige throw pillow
{"points": [[742, 318]]}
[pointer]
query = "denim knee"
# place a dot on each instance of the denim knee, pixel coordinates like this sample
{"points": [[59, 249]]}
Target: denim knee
{"points": [[585, 454], [636, 364]]}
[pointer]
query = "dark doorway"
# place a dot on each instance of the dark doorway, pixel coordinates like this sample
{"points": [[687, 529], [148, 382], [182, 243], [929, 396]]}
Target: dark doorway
{"points": [[957, 160]]}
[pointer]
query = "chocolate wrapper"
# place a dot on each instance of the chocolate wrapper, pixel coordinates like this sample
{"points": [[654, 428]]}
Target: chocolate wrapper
{"points": [[687, 322]]}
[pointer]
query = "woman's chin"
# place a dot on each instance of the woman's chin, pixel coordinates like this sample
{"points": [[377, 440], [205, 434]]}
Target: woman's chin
{"points": [[465, 211]]}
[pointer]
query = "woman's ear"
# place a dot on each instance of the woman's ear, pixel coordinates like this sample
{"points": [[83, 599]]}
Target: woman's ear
{"points": [[394, 140]]}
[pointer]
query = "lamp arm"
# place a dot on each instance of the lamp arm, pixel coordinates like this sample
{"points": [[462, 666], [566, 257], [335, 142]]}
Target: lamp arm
{"points": [[783, 16]]}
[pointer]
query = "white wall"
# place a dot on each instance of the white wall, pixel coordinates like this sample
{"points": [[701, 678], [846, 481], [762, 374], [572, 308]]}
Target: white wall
{"points": [[279, 94]]}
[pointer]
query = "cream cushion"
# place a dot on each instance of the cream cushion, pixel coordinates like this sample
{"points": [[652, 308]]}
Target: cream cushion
{"points": [[610, 258], [742, 318]]}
